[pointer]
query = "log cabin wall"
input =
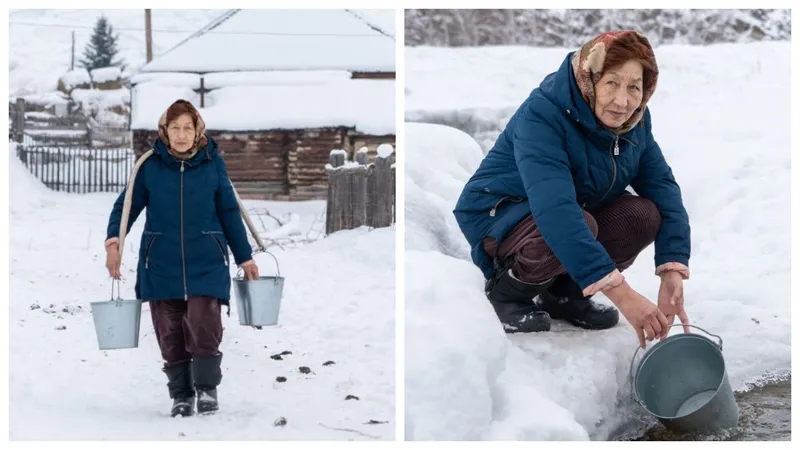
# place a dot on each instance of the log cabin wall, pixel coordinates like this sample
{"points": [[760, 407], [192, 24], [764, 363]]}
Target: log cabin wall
{"points": [[279, 164]]}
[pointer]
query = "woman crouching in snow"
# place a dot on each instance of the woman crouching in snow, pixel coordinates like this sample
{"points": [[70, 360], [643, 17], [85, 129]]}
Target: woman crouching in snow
{"points": [[192, 215], [547, 213]]}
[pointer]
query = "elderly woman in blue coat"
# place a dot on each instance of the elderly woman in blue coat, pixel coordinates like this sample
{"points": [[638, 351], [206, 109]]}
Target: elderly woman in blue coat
{"points": [[183, 269], [548, 215]]}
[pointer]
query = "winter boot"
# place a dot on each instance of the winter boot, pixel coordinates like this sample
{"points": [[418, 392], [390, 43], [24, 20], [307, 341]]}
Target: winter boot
{"points": [[207, 376], [180, 389], [564, 300], [512, 300]]}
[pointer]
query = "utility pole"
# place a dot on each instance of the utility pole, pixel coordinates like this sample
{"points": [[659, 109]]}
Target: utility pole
{"points": [[148, 38], [72, 61]]}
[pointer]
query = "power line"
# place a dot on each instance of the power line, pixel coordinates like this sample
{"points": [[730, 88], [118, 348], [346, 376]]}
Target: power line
{"points": [[267, 33]]}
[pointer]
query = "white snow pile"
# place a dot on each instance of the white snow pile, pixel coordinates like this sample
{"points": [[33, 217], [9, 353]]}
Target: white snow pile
{"points": [[466, 379], [76, 77], [102, 98], [105, 74], [338, 305]]}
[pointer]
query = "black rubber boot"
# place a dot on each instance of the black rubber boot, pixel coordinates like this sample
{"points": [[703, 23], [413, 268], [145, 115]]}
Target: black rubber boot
{"points": [[207, 376], [513, 303], [564, 300], [181, 389]]}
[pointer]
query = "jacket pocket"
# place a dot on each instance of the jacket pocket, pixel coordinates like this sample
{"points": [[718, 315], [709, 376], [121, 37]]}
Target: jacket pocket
{"points": [[510, 198], [220, 245], [153, 235]]}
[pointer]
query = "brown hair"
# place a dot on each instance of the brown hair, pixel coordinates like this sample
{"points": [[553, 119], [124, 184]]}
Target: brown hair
{"points": [[179, 108], [629, 47]]}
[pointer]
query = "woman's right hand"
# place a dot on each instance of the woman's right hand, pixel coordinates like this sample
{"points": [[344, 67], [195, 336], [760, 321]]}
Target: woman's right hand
{"points": [[644, 316], [113, 260]]}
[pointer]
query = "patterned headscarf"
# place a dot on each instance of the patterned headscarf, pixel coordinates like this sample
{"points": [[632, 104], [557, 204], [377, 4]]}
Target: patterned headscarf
{"points": [[200, 140], [587, 64]]}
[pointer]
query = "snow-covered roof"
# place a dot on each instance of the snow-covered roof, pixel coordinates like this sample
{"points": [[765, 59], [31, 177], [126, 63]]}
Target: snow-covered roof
{"points": [[365, 104], [285, 39]]}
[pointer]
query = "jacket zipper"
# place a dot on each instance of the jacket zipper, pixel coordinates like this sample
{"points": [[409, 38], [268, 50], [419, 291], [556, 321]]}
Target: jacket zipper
{"points": [[496, 205], [612, 152], [149, 246], [183, 253]]}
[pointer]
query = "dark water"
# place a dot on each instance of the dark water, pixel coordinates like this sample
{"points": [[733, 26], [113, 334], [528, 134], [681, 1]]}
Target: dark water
{"points": [[765, 415]]}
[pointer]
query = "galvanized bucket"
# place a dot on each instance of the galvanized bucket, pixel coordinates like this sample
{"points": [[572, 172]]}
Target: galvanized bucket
{"points": [[683, 382], [259, 301], [116, 322]]}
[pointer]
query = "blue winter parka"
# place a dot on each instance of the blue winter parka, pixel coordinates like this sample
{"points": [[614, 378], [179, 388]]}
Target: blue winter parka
{"points": [[554, 159], [192, 218]]}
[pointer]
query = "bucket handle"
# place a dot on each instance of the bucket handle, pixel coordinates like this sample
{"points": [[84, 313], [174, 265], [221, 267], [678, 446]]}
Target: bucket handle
{"points": [[240, 272], [119, 291], [630, 371]]}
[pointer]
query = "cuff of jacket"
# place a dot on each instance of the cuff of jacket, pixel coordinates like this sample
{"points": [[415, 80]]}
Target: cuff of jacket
{"points": [[111, 241], [609, 281], [673, 266]]}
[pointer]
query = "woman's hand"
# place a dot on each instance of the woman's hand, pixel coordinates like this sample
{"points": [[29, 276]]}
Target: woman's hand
{"points": [[670, 298], [250, 270], [643, 315], [113, 261]]}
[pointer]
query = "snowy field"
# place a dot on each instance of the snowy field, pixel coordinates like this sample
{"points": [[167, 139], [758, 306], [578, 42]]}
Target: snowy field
{"points": [[721, 115], [338, 306]]}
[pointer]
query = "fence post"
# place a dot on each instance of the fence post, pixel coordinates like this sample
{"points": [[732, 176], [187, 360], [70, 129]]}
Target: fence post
{"points": [[19, 120], [380, 189], [333, 219], [358, 193]]}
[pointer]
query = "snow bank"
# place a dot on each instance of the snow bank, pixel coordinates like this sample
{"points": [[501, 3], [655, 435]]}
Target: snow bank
{"points": [[106, 74], [441, 162], [298, 39], [573, 384]]}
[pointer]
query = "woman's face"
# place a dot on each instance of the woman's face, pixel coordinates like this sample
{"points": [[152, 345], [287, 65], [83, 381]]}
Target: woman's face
{"points": [[618, 94], [181, 133]]}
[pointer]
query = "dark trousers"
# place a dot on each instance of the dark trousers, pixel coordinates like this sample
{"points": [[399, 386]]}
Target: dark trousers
{"points": [[624, 228], [185, 329]]}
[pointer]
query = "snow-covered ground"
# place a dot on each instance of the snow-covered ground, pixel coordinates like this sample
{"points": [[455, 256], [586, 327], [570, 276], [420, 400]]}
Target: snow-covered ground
{"points": [[338, 306], [721, 115]]}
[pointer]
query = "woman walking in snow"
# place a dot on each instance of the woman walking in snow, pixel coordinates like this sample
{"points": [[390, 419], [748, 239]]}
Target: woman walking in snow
{"points": [[547, 213], [192, 215]]}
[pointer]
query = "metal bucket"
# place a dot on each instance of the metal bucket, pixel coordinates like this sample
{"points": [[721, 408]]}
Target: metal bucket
{"points": [[259, 301], [116, 322], [683, 382]]}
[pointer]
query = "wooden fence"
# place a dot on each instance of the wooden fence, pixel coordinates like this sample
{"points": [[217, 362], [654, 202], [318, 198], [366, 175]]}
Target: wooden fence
{"points": [[79, 170], [44, 129], [360, 194]]}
